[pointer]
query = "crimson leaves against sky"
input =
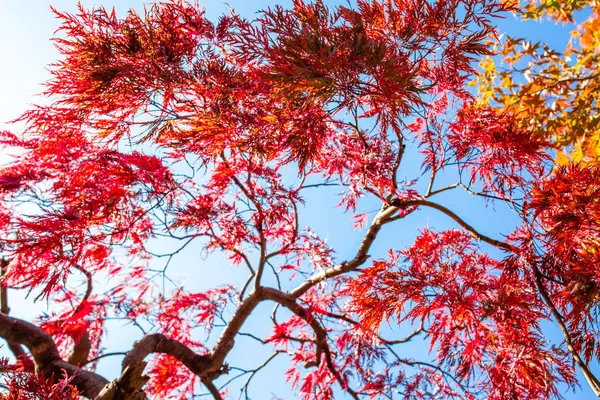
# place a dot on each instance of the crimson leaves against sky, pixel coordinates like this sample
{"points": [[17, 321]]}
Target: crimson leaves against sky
{"points": [[164, 126]]}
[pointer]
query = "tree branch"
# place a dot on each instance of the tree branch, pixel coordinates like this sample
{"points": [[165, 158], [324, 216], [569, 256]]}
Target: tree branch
{"points": [[46, 357], [212, 389], [83, 344], [101, 356], [496, 243], [128, 386], [289, 302], [81, 350], [226, 340], [361, 255], [587, 373], [14, 347], [158, 343]]}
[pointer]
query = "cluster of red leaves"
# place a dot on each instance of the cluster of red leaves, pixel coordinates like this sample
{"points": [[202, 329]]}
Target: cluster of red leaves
{"points": [[566, 206], [365, 359], [27, 386], [243, 203], [312, 358], [360, 357], [173, 64], [83, 198], [363, 162], [495, 149], [170, 379], [177, 317], [312, 379], [482, 323], [377, 56], [203, 307], [315, 250], [68, 326], [233, 87], [113, 68], [316, 383]]}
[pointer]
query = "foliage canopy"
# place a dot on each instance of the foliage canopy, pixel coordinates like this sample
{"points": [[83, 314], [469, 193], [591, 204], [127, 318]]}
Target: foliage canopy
{"points": [[164, 127]]}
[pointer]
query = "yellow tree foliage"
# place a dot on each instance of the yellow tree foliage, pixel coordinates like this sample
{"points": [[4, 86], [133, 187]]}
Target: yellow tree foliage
{"points": [[556, 94]]}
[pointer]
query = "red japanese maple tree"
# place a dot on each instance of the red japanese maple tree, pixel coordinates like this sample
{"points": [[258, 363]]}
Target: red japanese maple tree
{"points": [[164, 127]]}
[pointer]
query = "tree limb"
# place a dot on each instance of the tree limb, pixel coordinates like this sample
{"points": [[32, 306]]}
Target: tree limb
{"points": [[158, 343], [361, 255], [83, 344], [128, 386], [212, 389], [226, 340], [289, 302], [587, 373], [81, 350], [14, 347], [46, 357], [496, 243]]}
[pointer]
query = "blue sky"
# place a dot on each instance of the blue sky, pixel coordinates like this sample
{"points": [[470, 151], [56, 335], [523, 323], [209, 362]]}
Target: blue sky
{"points": [[26, 27]]}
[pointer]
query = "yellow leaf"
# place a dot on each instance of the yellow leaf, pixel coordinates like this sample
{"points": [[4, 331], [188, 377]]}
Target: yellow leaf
{"points": [[561, 158], [577, 153], [488, 64], [270, 118]]}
